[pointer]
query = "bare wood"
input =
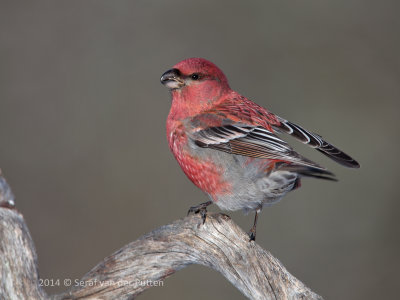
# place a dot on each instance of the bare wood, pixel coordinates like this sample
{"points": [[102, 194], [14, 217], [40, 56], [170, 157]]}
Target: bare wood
{"points": [[219, 244], [6, 195], [18, 261]]}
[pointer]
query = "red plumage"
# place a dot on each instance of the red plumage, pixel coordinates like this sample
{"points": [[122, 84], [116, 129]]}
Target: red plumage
{"points": [[227, 145]]}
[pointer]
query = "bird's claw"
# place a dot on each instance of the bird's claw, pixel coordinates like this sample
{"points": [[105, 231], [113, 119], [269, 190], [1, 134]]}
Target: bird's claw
{"points": [[200, 209], [252, 234]]}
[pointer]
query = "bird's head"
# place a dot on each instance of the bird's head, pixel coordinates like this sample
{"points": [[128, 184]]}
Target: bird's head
{"points": [[196, 80]]}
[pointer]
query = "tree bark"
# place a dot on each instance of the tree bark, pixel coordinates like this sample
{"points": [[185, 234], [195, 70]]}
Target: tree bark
{"points": [[218, 243]]}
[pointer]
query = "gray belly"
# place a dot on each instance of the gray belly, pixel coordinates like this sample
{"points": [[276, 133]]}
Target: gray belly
{"points": [[252, 184]]}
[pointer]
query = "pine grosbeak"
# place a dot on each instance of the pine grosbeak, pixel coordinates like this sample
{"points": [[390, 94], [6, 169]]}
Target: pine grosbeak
{"points": [[228, 146]]}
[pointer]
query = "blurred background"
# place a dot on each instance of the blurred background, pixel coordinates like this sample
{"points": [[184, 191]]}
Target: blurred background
{"points": [[82, 130]]}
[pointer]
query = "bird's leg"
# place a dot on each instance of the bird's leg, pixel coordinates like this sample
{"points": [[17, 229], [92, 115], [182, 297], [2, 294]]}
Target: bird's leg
{"points": [[201, 208], [252, 233]]}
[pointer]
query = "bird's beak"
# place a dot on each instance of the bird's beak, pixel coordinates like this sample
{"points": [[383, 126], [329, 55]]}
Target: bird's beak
{"points": [[172, 79]]}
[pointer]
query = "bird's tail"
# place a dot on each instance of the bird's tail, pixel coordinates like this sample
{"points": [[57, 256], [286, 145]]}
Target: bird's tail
{"points": [[307, 171]]}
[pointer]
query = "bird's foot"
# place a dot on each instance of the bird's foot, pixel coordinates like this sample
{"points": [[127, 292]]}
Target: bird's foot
{"points": [[252, 234], [200, 209]]}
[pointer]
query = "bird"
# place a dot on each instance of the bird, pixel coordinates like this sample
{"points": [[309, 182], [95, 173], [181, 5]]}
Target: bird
{"points": [[231, 148]]}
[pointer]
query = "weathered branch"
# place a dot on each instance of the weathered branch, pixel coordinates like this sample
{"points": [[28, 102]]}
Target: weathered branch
{"points": [[219, 244], [19, 277]]}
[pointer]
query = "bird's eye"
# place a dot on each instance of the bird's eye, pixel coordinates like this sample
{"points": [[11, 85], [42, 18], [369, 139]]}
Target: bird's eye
{"points": [[195, 76]]}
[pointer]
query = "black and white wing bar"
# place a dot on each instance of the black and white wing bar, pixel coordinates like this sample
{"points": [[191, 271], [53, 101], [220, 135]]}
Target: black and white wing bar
{"points": [[316, 141], [251, 141]]}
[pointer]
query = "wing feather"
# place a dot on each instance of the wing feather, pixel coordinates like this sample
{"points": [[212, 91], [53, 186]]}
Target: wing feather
{"points": [[251, 141], [316, 141]]}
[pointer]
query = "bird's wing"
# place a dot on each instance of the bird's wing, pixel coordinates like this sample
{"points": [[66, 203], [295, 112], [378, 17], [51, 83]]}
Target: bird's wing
{"points": [[239, 108], [250, 141], [315, 141]]}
